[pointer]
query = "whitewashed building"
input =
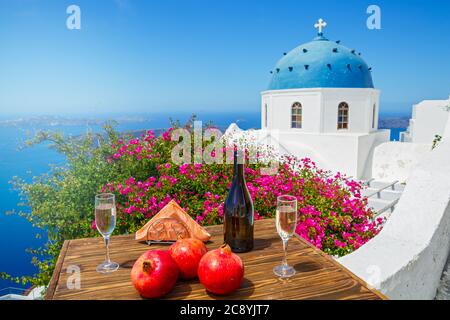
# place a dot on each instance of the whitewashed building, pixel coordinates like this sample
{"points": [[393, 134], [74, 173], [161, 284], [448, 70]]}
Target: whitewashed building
{"points": [[429, 118], [321, 103]]}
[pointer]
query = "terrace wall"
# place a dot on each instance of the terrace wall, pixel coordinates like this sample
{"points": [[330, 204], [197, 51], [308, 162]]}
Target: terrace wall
{"points": [[405, 261]]}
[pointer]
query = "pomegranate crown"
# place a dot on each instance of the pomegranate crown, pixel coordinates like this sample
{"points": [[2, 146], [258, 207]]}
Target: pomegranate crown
{"points": [[225, 248]]}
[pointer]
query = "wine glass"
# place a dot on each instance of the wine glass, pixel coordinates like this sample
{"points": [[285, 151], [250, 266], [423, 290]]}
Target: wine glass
{"points": [[286, 221], [105, 220]]}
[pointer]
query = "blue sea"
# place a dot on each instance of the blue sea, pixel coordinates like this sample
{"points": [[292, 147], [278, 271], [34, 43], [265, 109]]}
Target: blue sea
{"points": [[16, 234], [395, 133]]}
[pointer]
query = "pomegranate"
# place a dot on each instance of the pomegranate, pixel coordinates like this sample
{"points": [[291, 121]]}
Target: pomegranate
{"points": [[154, 274], [221, 271], [187, 254]]}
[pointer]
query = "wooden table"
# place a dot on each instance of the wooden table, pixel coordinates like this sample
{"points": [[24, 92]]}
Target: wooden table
{"points": [[318, 275]]}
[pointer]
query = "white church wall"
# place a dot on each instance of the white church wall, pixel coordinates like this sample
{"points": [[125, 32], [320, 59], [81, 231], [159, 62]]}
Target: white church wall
{"points": [[331, 152], [280, 104], [366, 146], [346, 153], [405, 261], [395, 160], [264, 109], [360, 102], [374, 103], [320, 109]]}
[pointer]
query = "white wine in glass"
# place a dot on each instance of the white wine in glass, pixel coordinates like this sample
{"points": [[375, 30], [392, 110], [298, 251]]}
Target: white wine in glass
{"points": [[286, 221], [105, 220]]}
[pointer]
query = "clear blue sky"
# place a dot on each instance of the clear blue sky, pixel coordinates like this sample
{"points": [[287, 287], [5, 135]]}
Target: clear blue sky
{"points": [[204, 55]]}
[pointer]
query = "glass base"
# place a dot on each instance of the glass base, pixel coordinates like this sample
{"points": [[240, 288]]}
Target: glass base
{"points": [[107, 267], [284, 271]]}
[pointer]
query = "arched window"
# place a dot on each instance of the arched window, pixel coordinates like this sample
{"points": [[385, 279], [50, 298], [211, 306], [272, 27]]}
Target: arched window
{"points": [[296, 115], [342, 116], [374, 115]]}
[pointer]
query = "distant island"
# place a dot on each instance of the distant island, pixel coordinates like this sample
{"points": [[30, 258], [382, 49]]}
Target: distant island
{"points": [[385, 122], [392, 122], [66, 121]]}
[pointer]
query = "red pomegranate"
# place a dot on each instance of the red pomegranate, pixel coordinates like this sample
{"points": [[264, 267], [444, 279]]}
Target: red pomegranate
{"points": [[187, 254], [154, 274], [221, 271]]}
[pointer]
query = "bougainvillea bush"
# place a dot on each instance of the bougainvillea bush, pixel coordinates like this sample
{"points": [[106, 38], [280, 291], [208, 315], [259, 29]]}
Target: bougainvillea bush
{"points": [[332, 214], [141, 173]]}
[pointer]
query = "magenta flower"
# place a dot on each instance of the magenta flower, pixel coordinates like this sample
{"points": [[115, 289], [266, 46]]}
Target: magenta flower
{"points": [[332, 215]]}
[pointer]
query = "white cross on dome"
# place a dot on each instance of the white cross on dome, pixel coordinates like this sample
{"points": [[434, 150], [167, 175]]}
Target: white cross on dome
{"points": [[320, 25]]}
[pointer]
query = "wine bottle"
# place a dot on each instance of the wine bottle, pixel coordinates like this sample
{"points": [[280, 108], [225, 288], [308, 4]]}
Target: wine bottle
{"points": [[238, 210]]}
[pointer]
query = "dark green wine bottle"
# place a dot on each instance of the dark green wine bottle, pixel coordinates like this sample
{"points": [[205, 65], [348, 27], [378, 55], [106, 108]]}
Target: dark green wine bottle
{"points": [[238, 210]]}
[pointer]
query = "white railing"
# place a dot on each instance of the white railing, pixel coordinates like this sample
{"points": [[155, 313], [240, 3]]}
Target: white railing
{"points": [[382, 203], [390, 206], [379, 190]]}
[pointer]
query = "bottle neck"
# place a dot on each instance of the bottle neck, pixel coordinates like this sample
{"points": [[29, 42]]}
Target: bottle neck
{"points": [[238, 175]]}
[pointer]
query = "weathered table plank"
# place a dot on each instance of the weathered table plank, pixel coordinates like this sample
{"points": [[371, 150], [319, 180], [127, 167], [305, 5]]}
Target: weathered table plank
{"points": [[318, 275]]}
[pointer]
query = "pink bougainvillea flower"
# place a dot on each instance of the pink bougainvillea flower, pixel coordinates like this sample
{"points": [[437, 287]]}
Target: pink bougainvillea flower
{"points": [[332, 215]]}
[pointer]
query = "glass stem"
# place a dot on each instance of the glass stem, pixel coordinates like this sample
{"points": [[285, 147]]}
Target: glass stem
{"points": [[108, 260], [285, 244]]}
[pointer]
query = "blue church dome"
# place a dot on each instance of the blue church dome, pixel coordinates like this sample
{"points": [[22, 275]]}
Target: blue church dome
{"points": [[321, 63]]}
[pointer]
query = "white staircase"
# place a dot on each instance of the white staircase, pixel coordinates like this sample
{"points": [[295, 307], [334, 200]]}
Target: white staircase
{"points": [[382, 196]]}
